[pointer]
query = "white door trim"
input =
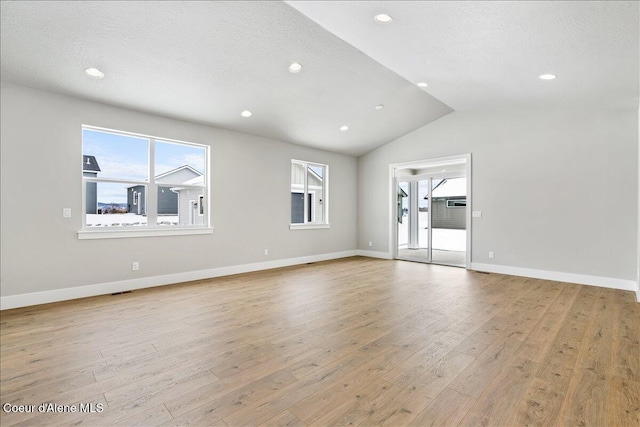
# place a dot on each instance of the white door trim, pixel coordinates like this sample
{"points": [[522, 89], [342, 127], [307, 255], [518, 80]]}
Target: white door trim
{"points": [[419, 164]]}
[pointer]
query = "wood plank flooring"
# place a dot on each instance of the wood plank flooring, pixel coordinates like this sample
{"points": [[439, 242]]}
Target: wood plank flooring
{"points": [[349, 342]]}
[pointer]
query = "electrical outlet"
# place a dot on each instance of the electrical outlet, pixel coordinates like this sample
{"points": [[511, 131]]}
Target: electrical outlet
{"points": [[476, 214], [492, 255], [66, 212], [135, 266], [370, 243], [266, 252]]}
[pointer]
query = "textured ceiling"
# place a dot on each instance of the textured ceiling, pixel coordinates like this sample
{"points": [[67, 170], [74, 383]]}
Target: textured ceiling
{"points": [[207, 61], [487, 55]]}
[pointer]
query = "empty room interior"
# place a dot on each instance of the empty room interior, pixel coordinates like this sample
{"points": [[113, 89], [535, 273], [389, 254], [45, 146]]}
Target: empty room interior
{"points": [[319, 213]]}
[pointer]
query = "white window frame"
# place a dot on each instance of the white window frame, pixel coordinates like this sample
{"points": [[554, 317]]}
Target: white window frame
{"points": [[307, 225], [454, 204], [151, 196]]}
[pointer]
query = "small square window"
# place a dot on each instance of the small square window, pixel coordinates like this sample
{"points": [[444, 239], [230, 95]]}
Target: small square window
{"points": [[309, 193]]}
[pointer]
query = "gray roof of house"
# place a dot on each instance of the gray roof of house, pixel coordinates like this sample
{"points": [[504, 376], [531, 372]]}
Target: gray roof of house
{"points": [[89, 163]]}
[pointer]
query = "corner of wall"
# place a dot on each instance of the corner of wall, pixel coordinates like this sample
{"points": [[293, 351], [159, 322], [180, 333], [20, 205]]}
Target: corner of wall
{"points": [[638, 223]]}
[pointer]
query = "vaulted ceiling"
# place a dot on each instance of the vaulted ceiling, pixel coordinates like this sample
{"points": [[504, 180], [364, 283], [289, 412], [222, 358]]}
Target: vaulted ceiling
{"points": [[206, 62]]}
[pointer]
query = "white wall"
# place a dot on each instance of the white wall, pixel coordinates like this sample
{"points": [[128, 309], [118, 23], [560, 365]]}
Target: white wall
{"points": [[41, 149], [557, 190]]}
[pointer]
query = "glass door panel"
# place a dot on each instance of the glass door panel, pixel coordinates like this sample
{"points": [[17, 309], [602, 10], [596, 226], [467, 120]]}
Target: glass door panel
{"points": [[403, 216], [448, 221], [413, 221], [423, 217]]}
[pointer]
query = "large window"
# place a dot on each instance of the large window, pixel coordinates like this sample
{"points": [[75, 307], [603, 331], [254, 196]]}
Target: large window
{"points": [[141, 183], [309, 195]]}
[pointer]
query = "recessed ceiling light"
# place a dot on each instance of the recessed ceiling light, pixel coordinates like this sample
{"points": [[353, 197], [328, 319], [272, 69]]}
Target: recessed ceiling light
{"points": [[383, 18], [422, 84], [379, 106], [295, 67], [246, 113], [344, 128], [94, 73], [547, 76]]}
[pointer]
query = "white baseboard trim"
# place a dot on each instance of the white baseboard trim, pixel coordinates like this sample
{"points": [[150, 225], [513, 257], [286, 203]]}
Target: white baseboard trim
{"points": [[582, 279], [45, 297], [375, 254]]}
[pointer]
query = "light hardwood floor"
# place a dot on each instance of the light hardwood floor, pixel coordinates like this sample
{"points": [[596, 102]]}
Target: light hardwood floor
{"points": [[355, 341]]}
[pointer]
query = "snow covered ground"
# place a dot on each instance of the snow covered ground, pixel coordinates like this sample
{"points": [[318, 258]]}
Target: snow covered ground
{"points": [[127, 220], [450, 240]]}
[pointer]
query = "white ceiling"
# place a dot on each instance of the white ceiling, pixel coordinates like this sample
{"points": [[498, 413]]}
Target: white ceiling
{"points": [[207, 61], [488, 55]]}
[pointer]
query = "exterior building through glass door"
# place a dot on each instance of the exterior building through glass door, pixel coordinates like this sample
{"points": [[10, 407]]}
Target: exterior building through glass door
{"points": [[448, 221], [413, 220]]}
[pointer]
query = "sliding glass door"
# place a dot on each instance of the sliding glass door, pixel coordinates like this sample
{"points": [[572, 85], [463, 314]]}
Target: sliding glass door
{"points": [[432, 218], [448, 221], [413, 220]]}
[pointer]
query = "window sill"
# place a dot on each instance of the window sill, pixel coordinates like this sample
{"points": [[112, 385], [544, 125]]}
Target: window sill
{"points": [[152, 232], [308, 226]]}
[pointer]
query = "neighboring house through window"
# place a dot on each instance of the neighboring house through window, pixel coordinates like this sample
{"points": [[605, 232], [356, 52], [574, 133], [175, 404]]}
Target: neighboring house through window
{"points": [[90, 169], [142, 182], [309, 195]]}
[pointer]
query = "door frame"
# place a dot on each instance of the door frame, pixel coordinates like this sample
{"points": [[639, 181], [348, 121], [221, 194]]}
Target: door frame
{"points": [[394, 168]]}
